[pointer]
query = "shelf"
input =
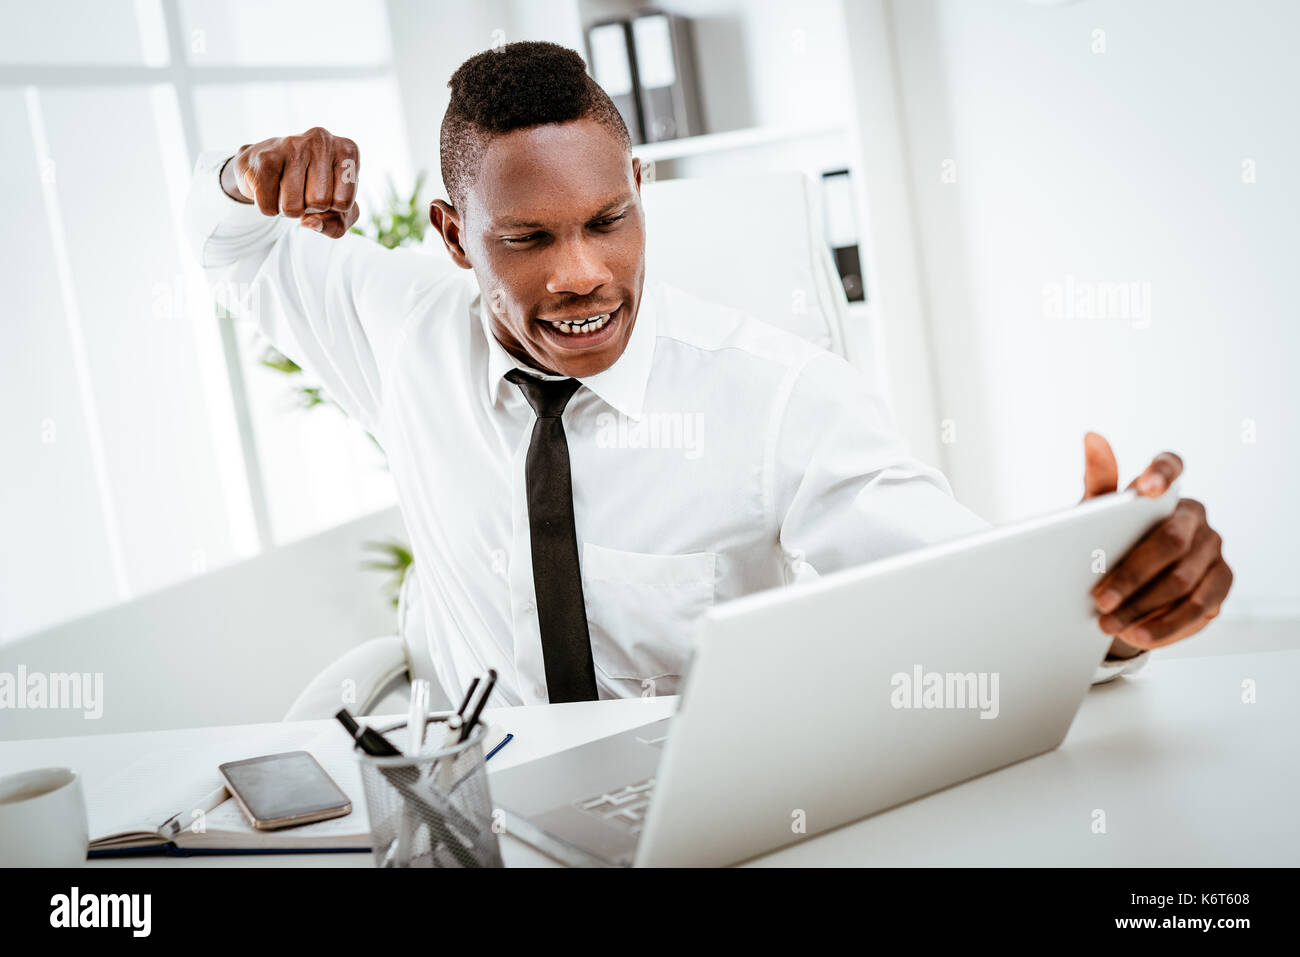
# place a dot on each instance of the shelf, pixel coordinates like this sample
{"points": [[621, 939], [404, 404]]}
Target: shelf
{"points": [[730, 140]]}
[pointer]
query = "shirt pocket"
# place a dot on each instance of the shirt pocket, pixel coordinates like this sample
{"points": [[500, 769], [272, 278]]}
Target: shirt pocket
{"points": [[641, 612]]}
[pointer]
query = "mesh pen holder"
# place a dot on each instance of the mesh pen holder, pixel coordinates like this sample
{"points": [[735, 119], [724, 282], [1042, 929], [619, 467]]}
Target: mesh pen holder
{"points": [[433, 809]]}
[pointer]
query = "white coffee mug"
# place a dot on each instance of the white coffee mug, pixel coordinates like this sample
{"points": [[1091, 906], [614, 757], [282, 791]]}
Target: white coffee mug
{"points": [[42, 819]]}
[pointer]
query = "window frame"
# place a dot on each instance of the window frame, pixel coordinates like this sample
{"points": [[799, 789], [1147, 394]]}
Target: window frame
{"points": [[183, 77]]}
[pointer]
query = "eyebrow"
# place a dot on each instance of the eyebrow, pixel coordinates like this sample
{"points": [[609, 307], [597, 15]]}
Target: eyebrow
{"points": [[513, 224]]}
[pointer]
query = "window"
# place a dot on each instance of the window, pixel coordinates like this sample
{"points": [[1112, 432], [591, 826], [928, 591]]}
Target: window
{"points": [[145, 441]]}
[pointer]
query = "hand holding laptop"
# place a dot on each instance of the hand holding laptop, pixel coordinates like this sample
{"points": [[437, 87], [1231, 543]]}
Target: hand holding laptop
{"points": [[1170, 585]]}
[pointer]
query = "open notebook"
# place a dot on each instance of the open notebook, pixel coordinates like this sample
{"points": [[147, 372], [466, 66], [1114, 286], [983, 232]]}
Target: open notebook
{"points": [[174, 799]]}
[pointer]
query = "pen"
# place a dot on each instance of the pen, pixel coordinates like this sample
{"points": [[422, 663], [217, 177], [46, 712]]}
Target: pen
{"points": [[468, 693], [368, 739], [478, 708], [416, 716], [500, 744], [450, 740]]}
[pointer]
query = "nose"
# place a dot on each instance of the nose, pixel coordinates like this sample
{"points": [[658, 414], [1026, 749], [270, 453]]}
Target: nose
{"points": [[578, 269]]}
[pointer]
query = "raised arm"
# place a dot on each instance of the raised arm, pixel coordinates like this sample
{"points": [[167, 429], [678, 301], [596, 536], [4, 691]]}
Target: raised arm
{"points": [[269, 223]]}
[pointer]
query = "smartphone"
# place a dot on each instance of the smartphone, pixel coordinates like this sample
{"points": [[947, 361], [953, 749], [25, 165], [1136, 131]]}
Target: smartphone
{"points": [[281, 790]]}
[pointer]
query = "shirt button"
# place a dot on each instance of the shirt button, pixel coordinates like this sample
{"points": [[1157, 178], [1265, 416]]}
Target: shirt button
{"points": [[530, 605], [540, 691]]}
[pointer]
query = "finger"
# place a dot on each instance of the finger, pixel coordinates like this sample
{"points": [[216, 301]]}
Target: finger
{"points": [[1174, 583], [1100, 471], [1187, 616], [1160, 474], [320, 172], [1161, 547], [241, 170], [347, 167], [263, 181], [332, 224], [292, 185]]}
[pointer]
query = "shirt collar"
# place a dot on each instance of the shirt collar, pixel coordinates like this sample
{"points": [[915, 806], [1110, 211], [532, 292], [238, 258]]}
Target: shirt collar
{"points": [[622, 385]]}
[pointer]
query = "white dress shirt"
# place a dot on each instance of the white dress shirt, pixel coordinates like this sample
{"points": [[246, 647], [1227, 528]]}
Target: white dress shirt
{"points": [[716, 457]]}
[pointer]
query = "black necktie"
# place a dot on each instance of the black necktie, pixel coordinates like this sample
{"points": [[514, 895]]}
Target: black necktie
{"points": [[557, 579]]}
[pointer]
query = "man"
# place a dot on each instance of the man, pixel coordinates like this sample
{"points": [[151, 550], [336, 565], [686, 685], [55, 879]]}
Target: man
{"points": [[570, 561]]}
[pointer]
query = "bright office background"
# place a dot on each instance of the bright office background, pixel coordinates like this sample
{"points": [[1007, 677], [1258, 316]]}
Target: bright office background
{"points": [[999, 149]]}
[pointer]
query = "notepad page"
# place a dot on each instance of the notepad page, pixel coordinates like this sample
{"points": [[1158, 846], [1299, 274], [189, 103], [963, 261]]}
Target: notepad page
{"points": [[165, 782], [226, 825]]}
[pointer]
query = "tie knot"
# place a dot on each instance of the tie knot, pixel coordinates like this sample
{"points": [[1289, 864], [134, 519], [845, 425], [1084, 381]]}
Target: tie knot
{"points": [[548, 397]]}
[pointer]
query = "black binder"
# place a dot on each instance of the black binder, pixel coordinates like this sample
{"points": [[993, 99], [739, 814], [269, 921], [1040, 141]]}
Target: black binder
{"points": [[664, 57], [842, 232], [612, 64]]}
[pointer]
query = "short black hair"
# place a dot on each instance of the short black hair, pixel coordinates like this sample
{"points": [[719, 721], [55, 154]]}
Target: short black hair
{"points": [[511, 87]]}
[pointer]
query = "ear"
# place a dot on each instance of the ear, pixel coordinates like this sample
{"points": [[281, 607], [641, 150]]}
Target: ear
{"points": [[446, 220], [636, 173]]}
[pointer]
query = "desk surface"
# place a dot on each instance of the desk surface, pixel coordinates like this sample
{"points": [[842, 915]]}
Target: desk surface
{"points": [[1184, 770]]}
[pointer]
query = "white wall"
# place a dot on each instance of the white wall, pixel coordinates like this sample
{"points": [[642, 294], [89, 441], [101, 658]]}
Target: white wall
{"points": [[1116, 166], [430, 40], [234, 646]]}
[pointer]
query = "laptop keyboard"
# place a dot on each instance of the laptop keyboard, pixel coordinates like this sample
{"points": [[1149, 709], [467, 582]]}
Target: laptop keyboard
{"points": [[625, 806]]}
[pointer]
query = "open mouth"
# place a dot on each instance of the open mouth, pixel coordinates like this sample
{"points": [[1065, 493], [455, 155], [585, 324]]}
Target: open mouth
{"points": [[582, 332]]}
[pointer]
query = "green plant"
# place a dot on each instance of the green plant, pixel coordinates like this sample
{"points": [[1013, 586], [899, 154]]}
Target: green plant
{"points": [[402, 222], [395, 558], [307, 396]]}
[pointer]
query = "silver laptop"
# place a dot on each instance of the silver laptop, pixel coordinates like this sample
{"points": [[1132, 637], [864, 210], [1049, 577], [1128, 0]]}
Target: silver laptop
{"points": [[814, 705]]}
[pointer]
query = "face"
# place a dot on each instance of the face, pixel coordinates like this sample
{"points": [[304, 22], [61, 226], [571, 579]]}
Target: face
{"points": [[553, 229]]}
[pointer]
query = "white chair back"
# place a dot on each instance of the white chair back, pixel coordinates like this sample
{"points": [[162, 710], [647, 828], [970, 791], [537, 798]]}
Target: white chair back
{"points": [[755, 243]]}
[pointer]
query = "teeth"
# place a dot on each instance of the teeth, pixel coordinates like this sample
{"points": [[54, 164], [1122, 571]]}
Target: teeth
{"points": [[586, 326]]}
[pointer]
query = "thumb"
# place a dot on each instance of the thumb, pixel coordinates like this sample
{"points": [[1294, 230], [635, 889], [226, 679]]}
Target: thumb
{"points": [[1100, 470], [331, 223]]}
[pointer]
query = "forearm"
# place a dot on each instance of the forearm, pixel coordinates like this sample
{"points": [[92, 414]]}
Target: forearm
{"points": [[229, 236]]}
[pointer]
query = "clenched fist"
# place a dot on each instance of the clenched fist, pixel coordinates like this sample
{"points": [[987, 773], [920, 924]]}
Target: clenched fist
{"points": [[312, 178]]}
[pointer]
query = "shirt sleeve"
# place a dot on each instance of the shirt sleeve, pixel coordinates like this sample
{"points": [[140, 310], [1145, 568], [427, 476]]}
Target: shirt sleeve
{"points": [[1112, 668], [846, 489], [336, 307]]}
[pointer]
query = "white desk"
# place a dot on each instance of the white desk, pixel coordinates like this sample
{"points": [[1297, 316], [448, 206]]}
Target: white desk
{"points": [[1186, 773]]}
